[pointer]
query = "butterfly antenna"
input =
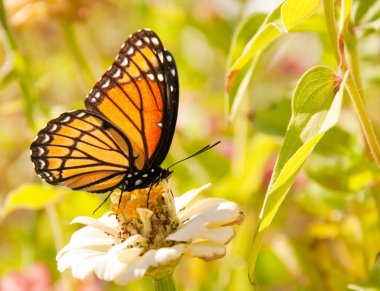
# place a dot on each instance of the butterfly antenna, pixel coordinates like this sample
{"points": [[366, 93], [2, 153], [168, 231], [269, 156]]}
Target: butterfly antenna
{"points": [[206, 148], [104, 201]]}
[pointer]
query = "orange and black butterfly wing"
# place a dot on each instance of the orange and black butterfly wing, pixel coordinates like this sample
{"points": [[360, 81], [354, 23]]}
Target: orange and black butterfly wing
{"points": [[81, 151], [139, 96]]}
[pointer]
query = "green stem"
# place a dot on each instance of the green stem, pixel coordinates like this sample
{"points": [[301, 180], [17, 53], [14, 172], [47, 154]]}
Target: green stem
{"points": [[362, 114], [352, 87], [332, 28], [164, 283], [21, 70], [353, 54]]}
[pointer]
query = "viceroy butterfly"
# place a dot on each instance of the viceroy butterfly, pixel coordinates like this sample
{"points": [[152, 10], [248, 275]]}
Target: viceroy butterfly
{"points": [[124, 134]]}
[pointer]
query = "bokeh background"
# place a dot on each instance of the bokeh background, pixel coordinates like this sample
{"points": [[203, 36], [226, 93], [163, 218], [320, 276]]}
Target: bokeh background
{"points": [[326, 234]]}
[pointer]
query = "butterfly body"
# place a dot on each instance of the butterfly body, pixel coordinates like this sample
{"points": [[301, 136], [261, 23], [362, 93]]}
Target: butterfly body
{"points": [[125, 132], [144, 178]]}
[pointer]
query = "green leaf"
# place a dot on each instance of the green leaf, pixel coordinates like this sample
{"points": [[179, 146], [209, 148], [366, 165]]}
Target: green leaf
{"points": [[316, 106], [293, 12], [249, 40], [260, 40], [243, 33], [29, 196]]}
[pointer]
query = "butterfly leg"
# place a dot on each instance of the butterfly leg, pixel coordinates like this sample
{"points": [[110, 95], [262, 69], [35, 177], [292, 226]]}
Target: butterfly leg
{"points": [[121, 196], [147, 199], [104, 201]]}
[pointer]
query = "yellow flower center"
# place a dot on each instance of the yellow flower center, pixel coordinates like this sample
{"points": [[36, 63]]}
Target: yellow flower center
{"points": [[149, 212]]}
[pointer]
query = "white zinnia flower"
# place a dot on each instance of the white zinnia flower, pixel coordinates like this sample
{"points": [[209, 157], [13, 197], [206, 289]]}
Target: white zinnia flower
{"points": [[132, 241]]}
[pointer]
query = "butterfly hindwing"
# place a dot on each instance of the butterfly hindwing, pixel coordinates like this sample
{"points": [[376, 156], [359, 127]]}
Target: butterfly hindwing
{"points": [[81, 151], [139, 95]]}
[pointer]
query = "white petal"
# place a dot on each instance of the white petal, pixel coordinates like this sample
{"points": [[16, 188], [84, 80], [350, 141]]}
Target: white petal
{"points": [[81, 262], [88, 238], [206, 250], [106, 223], [195, 229], [214, 211], [220, 235], [189, 231], [127, 251], [108, 267], [152, 258], [186, 198]]}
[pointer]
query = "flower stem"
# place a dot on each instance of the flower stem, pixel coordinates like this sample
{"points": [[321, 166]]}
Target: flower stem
{"points": [[165, 283]]}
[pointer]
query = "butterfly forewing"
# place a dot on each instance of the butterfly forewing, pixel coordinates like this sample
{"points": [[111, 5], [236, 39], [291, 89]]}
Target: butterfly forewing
{"points": [[139, 95], [126, 131], [81, 151]]}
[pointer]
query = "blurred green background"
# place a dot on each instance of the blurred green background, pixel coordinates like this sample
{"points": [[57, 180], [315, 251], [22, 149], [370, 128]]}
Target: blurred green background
{"points": [[326, 234]]}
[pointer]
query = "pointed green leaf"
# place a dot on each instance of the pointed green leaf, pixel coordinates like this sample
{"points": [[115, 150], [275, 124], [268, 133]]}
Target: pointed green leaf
{"points": [[247, 44], [316, 106], [294, 12], [266, 35], [29, 196]]}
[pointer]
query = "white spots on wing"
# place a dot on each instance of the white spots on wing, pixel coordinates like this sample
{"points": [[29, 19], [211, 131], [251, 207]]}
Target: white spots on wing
{"points": [[53, 127], [124, 63], [171, 88], [129, 176], [139, 42], [80, 114], [123, 45], [147, 40], [93, 100], [159, 124], [50, 178], [160, 77], [45, 138], [106, 84], [145, 175], [35, 138], [41, 163], [39, 175], [173, 72], [169, 58], [152, 170], [135, 173], [117, 74], [161, 57], [130, 51], [138, 182], [40, 151], [155, 40], [150, 76], [97, 95], [66, 119]]}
